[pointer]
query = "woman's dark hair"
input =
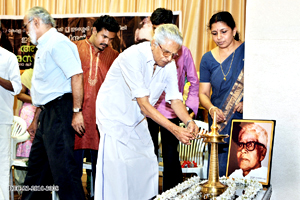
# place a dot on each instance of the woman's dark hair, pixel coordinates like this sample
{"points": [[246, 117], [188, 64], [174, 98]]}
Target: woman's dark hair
{"points": [[107, 22], [225, 17]]}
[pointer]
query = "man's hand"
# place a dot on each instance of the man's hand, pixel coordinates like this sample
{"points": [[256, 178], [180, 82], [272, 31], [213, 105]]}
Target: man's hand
{"points": [[193, 128], [78, 123], [34, 124], [32, 129], [184, 135]]}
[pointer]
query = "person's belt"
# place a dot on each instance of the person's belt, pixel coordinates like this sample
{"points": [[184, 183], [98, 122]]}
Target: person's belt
{"points": [[64, 96]]}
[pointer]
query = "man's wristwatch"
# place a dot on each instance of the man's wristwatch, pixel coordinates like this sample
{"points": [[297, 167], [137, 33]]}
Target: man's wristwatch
{"points": [[187, 123], [77, 110]]}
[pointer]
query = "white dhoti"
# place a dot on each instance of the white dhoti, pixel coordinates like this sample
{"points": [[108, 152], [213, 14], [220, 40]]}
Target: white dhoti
{"points": [[5, 131], [126, 171]]}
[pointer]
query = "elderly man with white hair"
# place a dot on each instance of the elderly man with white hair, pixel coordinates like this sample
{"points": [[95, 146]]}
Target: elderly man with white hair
{"points": [[127, 167], [252, 149]]}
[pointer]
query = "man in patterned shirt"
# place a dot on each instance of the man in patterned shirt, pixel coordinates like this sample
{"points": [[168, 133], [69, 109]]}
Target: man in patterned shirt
{"points": [[96, 57]]}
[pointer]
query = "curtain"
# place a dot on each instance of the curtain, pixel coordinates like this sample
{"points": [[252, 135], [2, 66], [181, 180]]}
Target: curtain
{"points": [[195, 14]]}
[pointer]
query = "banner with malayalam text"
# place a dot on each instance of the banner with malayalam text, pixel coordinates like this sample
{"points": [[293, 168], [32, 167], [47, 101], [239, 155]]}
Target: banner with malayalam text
{"points": [[133, 27]]}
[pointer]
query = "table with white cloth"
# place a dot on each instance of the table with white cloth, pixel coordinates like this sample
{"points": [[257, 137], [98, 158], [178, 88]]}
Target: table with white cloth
{"points": [[190, 190]]}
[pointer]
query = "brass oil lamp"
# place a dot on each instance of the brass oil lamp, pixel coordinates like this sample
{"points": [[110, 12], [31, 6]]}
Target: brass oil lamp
{"points": [[213, 187]]}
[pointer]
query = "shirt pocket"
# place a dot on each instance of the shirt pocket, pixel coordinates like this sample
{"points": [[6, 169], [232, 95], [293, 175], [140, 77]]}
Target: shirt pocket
{"points": [[156, 90], [40, 69]]}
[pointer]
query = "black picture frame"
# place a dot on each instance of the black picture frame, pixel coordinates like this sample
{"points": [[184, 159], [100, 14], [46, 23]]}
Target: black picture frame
{"points": [[248, 159]]}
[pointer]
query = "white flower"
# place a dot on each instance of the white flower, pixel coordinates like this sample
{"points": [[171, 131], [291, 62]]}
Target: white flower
{"points": [[190, 189]]}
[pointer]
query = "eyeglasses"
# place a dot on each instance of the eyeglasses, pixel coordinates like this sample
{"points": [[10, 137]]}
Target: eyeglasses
{"points": [[250, 146], [167, 53], [25, 25]]}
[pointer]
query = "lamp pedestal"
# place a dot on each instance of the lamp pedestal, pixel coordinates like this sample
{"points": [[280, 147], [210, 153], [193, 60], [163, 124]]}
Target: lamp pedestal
{"points": [[213, 187]]}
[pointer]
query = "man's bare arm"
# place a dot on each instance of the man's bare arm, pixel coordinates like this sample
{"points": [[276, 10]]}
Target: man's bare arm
{"points": [[180, 133], [6, 84], [77, 93]]}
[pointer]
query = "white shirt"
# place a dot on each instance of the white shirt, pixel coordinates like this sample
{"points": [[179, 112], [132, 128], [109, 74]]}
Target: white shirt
{"points": [[131, 76], [259, 174], [56, 61], [9, 70]]}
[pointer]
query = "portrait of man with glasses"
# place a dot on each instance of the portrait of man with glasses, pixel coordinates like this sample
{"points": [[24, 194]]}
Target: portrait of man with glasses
{"points": [[249, 152]]}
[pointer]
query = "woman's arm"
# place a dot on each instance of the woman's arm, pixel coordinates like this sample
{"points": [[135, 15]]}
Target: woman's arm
{"points": [[204, 96], [22, 96]]}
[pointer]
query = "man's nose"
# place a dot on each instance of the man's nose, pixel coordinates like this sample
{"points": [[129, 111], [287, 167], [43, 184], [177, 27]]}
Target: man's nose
{"points": [[244, 149], [106, 40]]}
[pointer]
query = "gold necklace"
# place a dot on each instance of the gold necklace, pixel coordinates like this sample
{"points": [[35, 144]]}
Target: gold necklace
{"points": [[229, 67], [91, 81]]}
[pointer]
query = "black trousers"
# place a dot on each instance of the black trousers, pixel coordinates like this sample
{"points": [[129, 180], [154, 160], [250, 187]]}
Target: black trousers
{"points": [[172, 174], [51, 159], [93, 154]]}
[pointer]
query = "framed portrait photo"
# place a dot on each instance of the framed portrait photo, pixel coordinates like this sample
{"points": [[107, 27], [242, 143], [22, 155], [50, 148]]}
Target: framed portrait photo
{"points": [[250, 149]]}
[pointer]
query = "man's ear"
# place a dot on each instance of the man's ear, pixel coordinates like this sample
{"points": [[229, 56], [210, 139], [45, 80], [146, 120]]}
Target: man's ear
{"points": [[263, 153], [152, 44], [36, 22], [94, 30]]}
